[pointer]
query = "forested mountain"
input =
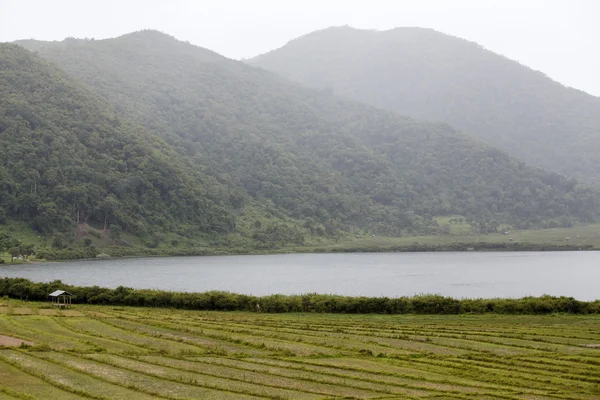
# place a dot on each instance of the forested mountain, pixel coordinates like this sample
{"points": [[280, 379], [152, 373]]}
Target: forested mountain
{"points": [[68, 157], [304, 154], [426, 74]]}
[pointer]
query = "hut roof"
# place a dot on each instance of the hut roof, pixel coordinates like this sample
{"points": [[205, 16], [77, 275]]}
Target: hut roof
{"points": [[60, 293]]}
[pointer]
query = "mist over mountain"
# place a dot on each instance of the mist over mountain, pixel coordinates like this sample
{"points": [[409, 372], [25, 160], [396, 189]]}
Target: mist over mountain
{"points": [[67, 157], [426, 74], [284, 160]]}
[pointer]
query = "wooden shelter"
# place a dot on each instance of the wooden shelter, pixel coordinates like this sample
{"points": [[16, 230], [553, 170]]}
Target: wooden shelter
{"points": [[61, 298]]}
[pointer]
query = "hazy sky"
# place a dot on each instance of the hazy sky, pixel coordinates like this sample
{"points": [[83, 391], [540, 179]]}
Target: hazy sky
{"points": [[558, 37]]}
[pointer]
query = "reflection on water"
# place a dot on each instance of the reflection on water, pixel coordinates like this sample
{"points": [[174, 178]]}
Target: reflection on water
{"points": [[370, 274]]}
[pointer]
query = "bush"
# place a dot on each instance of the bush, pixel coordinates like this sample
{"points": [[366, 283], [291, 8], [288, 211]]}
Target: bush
{"points": [[224, 301]]}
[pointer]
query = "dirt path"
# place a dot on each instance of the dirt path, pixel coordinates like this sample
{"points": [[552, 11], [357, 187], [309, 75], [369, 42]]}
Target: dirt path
{"points": [[8, 341]]}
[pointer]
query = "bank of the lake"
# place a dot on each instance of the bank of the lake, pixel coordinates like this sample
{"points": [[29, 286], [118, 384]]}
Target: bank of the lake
{"points": [[83, 253]]}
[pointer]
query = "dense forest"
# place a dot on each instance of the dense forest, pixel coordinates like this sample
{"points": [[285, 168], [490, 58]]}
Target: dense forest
{"points": [[425, 74], [67, 157], [151, 133]]}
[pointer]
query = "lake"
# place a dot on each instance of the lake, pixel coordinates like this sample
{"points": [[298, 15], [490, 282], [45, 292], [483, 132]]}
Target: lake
{"points": [[460, 275]]}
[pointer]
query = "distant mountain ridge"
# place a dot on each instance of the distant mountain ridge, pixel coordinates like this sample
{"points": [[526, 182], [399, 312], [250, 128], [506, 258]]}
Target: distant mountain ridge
{"points": [[327, 163], [429, 75]]}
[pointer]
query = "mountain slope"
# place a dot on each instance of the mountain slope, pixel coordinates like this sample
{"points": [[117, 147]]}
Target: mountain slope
{"points": [[68, 157], [426, 74], [331, 163]]}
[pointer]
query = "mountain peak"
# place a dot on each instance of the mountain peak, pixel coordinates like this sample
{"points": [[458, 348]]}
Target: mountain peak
{"points": [[148, 34], [426, 74]]}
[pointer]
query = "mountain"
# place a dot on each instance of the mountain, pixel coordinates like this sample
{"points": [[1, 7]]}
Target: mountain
{"points": [[426, 74], [306, 155], [67, 157]]}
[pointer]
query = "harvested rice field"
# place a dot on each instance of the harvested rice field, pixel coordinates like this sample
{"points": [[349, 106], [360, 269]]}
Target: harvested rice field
{"points": [[95, 352]]}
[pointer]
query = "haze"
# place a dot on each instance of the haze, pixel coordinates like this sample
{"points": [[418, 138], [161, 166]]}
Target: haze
{"points": [[558, 38]]}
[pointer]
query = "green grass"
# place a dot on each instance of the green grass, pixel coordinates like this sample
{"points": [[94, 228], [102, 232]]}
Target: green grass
{"points": [[458, 232], [22, 231], [103, 352], [582, 235]]}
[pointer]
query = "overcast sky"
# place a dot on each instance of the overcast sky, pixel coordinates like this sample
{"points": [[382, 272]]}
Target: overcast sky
{"points": [[558, 37]]}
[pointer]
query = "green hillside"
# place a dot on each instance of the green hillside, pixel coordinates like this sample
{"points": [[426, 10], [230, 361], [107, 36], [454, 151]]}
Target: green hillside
{"points": [[67, 158], [328, 164], [425, 74]]}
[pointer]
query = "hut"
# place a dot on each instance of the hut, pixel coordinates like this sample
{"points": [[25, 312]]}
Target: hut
{"points": [[61, 298]]}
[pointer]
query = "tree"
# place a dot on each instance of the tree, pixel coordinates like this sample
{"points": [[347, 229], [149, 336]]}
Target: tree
{"points": [[14, 252], [5, 242], [27, 250]]}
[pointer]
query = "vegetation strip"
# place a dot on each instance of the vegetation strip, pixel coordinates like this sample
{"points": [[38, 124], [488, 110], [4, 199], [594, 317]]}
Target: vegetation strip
{"points": [[424, 304]]}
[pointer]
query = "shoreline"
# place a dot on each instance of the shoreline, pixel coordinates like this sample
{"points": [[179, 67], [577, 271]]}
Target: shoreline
{"points": [[137, 252]]}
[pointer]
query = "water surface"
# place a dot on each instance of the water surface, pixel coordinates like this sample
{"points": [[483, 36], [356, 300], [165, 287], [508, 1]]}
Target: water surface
{"points": [[460, 275]]}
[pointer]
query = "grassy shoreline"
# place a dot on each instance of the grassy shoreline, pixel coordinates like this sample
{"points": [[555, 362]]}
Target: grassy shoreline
{"points": [[135, 252], [581, 237]]}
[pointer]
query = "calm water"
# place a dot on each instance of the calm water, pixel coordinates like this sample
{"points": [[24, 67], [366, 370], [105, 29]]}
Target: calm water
{"points": [[458, 275]]}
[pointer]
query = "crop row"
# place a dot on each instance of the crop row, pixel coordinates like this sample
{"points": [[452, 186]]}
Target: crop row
{"points": [[102, 352]]}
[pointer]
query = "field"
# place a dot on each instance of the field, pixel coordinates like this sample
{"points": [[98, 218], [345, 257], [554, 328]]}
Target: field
{"points": [[102, 352], [580, 235]]}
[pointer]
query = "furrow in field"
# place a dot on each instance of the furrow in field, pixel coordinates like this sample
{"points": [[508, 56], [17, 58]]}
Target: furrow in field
{"points": [[573, 331], [256, 341], [52, 340], [361, 379], [537, 343], [336, 342], [561, 364], [515, 386], [10, 395], [513, 340], [58, 327], [10, 328], [440, 345], [451, 344], [143, 382], [51, 374], [589, 359], [372, 371], [503, 345], [375, 344], [101, 329], [577, 327], [528, 370], [573, 371], [434, 341], [214, 381], [24, 385], [262, 378], [554, 385], [79, 381], [184, 335]]}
